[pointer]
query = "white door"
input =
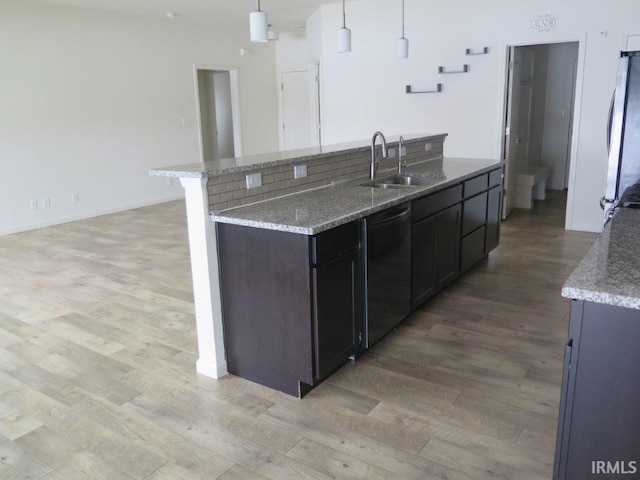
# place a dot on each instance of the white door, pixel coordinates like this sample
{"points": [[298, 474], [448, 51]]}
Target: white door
{"points": [[296, 110], [518, 122]]}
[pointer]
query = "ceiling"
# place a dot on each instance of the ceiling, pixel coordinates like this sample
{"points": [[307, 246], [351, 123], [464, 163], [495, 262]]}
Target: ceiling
{"points": [[282, 14]]}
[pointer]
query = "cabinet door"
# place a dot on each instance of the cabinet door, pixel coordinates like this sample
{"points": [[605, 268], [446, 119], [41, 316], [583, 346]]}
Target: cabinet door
{"points": [[447, 248], [494, 204], [605, 419], [435, 253], [423, 262], [337, 307]]}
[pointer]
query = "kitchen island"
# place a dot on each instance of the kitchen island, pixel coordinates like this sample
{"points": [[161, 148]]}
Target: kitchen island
{"points": [[599, 421], [331, 198]]}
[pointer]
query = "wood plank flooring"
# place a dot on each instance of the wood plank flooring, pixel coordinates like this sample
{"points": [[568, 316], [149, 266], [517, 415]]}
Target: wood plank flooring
{"points": [[98, 351]]}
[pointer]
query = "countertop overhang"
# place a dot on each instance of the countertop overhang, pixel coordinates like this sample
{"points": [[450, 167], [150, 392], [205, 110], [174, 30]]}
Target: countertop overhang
{"points": [[314, 211], [610, 272]]}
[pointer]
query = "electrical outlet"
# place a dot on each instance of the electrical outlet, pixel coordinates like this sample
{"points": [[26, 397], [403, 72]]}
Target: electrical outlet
{"points": [[392, 153], [254, 180], [46, 202], [403, 151], [34, 204], [299, 171], [75, 197], [427, 147], [169, 181]]}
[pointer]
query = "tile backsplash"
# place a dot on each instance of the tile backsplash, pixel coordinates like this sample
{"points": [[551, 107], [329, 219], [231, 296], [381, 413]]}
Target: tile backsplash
{"points": [[230, 190]]}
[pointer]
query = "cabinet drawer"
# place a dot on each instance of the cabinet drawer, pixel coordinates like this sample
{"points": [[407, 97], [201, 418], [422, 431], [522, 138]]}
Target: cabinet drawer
{"points": [[472, 249], [474, 213], [495, 177], [475, 185], [427, 206], [334, 242]]}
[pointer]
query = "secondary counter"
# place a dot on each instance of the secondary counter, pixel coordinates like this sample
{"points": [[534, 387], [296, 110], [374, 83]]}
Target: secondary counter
{"points": [[610, 272], [314, 211]]}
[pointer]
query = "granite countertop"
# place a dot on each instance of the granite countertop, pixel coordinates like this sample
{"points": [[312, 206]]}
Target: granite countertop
{"points": [[610, 272], [264, 160], [314, 211]]}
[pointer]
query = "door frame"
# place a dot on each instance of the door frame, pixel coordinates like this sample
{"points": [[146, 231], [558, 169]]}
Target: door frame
{"points": [[577, 110], [235, 106]]}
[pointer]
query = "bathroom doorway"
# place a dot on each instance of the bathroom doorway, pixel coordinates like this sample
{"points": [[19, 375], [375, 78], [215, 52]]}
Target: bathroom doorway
{"points": [[539, 118]]}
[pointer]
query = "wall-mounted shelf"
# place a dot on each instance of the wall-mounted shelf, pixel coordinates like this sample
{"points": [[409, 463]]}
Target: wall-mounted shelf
{"points": [[484, 51], [408, 90], [443, 70]]}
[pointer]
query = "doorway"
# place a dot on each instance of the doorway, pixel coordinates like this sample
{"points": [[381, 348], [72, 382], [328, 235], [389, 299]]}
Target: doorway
{"points": [[218, 113], [539, 116]]}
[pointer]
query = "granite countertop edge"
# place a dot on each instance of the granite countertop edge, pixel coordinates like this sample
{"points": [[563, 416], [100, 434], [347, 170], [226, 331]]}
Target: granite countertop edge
{"points": [[197, 170], [609, 273], [404, 195]]}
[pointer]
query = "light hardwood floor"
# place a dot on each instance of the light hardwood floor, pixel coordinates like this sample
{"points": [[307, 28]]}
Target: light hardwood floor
{"points": [[98, 351]]}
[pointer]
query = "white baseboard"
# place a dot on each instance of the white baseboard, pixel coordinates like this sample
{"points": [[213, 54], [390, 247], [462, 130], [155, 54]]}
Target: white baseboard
{"points": [[210, 370], [583, 228], [83, 216]]}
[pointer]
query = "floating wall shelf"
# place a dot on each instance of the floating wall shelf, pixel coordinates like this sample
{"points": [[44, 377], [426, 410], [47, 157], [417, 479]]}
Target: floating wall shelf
{"points": [[484, 51], [409, 91], [465, 69]]}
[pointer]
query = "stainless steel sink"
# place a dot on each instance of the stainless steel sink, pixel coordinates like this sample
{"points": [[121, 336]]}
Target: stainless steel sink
{"points": [[406, 180]]}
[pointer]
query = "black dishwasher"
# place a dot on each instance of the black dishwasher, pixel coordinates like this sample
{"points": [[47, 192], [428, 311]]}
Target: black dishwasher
{"points": [[387, 272]]}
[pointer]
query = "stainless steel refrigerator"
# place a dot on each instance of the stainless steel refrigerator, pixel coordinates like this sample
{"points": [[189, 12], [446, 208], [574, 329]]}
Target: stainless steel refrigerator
{"points": [[624, 134]]}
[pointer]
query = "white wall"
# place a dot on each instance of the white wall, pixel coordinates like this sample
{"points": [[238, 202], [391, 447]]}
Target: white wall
{"points": [[557, 112], [91, 101], [364, 90]]}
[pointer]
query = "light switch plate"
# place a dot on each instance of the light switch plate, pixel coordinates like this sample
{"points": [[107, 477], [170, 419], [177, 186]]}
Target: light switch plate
{"points": [[404, 151], [254, 180], [299, 171], [427, 147]]}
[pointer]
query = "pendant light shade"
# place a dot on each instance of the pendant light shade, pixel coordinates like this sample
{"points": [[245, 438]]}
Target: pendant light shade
{"points": [[344, 40], [258, 25], [344, 34], [402, 49]]}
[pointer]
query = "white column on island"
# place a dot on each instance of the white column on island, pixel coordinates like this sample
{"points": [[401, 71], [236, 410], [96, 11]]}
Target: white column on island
{"points": [[206, 283]]}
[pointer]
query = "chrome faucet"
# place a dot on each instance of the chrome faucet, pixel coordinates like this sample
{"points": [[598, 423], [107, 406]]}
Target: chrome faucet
{"points": [[385, 152], [400, 147]]}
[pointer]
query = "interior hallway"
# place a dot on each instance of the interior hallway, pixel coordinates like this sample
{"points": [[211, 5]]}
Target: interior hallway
{"points": [[98, 351]]}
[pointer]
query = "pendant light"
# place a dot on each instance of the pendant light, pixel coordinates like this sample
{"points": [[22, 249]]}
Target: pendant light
{"points": [[344, 34], [258, 25], [403, 43]]}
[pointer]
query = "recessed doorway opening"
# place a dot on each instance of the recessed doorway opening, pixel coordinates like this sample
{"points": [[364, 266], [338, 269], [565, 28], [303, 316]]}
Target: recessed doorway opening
{"points": [[218, 113], [539, 118]]}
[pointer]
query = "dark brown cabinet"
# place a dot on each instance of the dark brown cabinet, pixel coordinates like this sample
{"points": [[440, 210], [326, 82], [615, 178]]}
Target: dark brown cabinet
{"points": [[599, 419], [453, 230], [435, 254], [337, 311], [291, 303], [294, 305]]}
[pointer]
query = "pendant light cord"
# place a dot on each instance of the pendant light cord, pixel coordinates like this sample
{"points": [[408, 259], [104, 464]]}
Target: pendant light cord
{"points": [[344, 16], [258, 5], [402, 18]]}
